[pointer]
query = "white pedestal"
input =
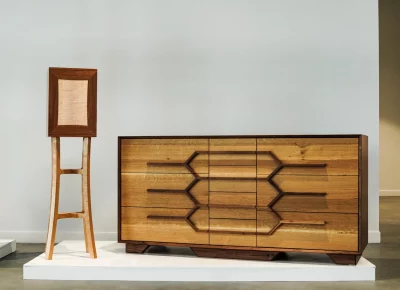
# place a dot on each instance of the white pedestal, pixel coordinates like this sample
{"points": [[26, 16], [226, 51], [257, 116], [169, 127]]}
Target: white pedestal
{"points": [[70, 262], [7, 247]]}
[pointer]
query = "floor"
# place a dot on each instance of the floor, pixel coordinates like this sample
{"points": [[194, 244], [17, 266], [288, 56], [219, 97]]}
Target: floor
{"points": [[386, 257]]}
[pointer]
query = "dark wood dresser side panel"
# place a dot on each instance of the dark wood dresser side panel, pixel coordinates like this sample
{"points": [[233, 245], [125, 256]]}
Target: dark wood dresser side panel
{"points": [[363, 192]]}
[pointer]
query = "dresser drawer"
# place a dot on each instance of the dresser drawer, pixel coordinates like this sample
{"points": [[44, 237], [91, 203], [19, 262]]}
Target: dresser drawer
{"points": [[311, 193], [340, 155], [233, 226], [163, 155], [142, 224], [312, 231], [162, 190]]}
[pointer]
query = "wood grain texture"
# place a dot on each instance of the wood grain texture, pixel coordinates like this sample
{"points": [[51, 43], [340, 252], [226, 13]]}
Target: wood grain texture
{"points": [[339, 233], [236, 254], [85, 213], [134, 188], [55, 198], [233, 213], [233, 160], [68, 127], [233, 171], [136, 153], [135, 226], [233, 198], [233, 144], [86, 199], [340, 155], [231, 232], [233, 185], [341, 193]]}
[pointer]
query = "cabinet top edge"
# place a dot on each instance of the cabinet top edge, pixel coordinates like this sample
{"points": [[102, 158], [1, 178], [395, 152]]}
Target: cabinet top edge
{"points": [[244, 136]]}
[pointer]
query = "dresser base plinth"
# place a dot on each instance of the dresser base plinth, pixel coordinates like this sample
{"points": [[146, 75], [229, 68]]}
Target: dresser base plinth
{"points": [[344, 259], [238, 254]]}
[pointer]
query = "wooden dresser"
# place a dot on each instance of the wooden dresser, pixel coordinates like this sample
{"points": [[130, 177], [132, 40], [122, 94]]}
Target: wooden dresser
{"points": [[245, 197]]}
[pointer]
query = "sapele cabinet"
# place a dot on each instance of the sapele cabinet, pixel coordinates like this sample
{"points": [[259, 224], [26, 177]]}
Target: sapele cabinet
{"points": [[250, 197]]}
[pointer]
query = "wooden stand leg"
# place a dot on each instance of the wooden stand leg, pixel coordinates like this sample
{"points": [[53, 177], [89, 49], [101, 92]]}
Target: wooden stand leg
{"points": [[86, 213], [344, 259], [55, 194], [237, 254], [136, 248], [86, 201]]}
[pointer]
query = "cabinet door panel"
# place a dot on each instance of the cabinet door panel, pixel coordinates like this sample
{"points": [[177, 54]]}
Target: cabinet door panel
{"points": [[160, 155], [137, 226], [339, 154], [322, 231]]}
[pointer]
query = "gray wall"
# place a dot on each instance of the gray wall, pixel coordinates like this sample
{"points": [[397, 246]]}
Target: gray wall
{"points": [[177, 67]]}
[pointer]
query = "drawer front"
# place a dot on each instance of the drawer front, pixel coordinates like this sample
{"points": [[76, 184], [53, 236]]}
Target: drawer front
{"points": [[164, 155], [340, 155], [310, 193], [233, 226], [164, 225], [313, 231], [162, 190]]}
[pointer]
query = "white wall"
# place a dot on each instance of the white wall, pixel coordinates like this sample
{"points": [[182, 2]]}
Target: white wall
{"points": [[177, 67]]}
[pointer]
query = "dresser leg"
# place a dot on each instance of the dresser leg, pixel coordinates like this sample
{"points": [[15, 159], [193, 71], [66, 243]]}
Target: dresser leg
{"points": [[136, 248], [344, 259], [237, 254]]}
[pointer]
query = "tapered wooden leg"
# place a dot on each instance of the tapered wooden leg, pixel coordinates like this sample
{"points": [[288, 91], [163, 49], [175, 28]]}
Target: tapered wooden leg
{"points": [[55, 194], [136, 248], [344, 259], [83, 198], [87, 217]]}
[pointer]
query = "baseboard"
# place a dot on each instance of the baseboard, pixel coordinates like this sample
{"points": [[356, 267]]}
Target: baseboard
{"points": [[389, 192], [374, 237], [40, 237]]}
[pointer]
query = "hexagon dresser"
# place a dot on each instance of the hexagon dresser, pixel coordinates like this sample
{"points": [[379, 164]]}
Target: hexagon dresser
{"points": [[245, 197]]}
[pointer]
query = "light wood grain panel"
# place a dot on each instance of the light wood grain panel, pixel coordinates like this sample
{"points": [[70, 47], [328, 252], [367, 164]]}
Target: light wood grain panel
{"points": [[134, 188], [233, 198], [233, 239], [135, 226], [339, 233], [233, 213], [233, 144], [340, 155], [136, 153], [341, 193], [233, 159], [233, 171], [233, 185]]}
